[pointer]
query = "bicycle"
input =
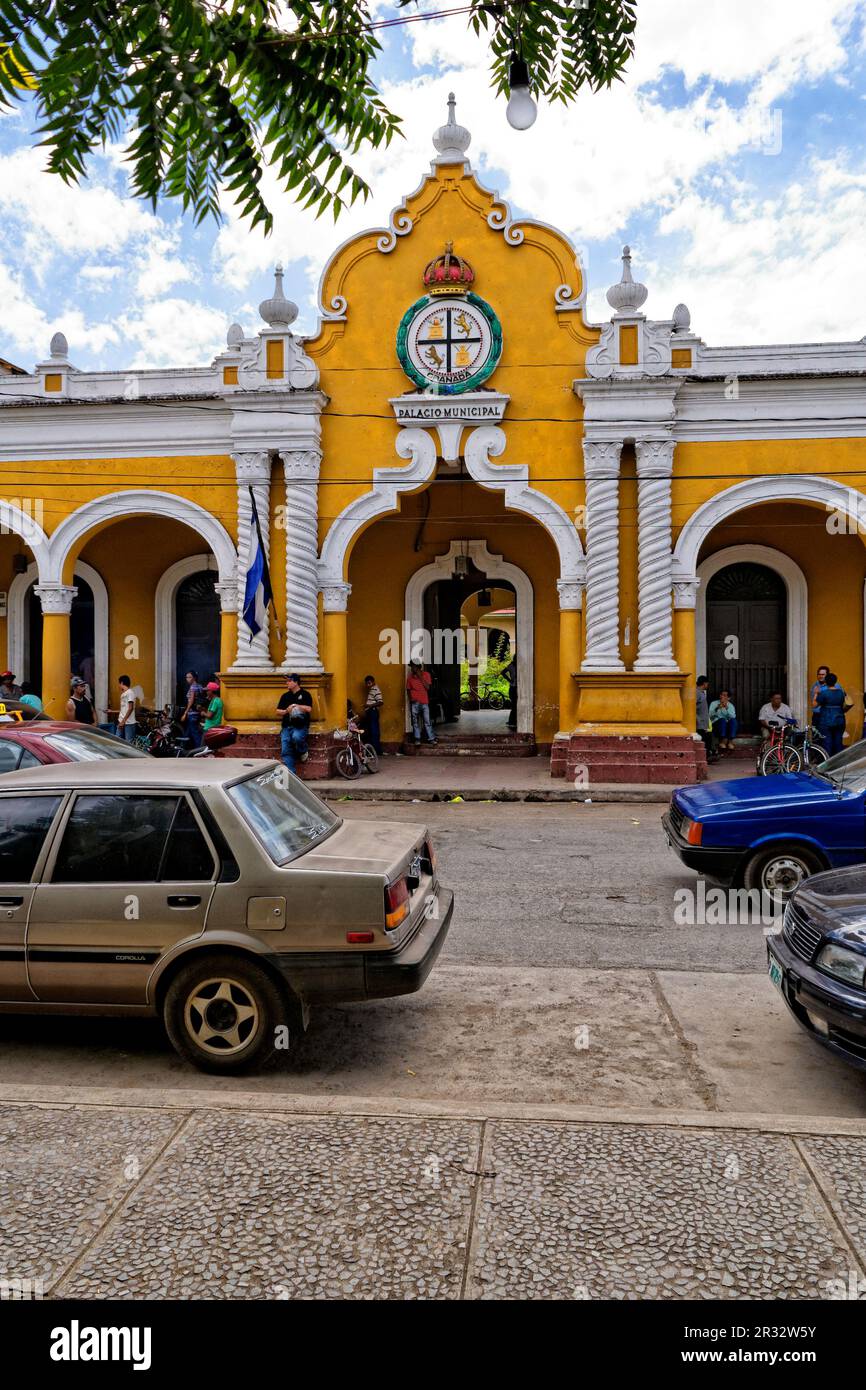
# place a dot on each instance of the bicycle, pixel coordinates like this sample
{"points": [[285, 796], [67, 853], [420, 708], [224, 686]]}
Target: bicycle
{"points": [[489, 694], [777, 754], [355, 756]]}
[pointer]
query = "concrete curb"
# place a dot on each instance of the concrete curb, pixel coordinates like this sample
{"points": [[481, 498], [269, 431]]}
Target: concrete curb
{"points": [[658, 795], [372, 1107]]}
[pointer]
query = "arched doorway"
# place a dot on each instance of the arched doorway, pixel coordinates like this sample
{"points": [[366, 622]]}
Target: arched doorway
{"points": [[746, 616], [436, 596], [197, 628], [470, 624]]}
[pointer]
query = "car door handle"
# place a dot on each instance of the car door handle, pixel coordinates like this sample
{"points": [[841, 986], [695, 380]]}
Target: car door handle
{"points": [[11, 902], [183, 900]]}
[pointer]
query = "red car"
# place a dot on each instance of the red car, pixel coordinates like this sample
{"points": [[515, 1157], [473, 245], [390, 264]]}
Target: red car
{"points": [[32, 741]]}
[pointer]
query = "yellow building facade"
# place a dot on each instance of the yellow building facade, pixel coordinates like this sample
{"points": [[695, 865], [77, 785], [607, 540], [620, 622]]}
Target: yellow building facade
{"points": [[456, 428]]}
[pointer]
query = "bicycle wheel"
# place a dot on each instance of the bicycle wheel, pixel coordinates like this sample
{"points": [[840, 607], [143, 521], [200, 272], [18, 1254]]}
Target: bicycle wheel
{"points": [[496, 699], [773, 760], [348, 764], [792, 759], [467, 701], [370, 756], [816, 754]]}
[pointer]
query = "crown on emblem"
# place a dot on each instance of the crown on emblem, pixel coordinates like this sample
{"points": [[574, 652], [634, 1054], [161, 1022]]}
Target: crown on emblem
{"points": [[448, 273]]}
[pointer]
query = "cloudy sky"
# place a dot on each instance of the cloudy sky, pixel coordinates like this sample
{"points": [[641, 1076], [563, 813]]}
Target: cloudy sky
{"points": [[731, 158]]}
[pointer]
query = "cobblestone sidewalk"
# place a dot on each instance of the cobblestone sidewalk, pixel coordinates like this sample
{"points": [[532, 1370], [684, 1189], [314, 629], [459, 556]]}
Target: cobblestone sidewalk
{"points": [[200, 1200]]}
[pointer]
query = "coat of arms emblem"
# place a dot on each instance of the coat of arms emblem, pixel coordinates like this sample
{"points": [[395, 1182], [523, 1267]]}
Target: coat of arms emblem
{"points": [[450, 340]]}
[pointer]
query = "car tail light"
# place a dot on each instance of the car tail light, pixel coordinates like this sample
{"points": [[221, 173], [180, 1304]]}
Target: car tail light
{"points": [[359, 938], [396, 903], [430, 852], [696, 830]]}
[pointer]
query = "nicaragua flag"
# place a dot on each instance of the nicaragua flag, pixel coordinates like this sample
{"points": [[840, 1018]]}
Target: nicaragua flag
{"points": [[258, 593]]}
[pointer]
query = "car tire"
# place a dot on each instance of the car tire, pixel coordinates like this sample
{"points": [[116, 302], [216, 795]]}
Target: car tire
{"points": [[781, 869], [222, 1014]]}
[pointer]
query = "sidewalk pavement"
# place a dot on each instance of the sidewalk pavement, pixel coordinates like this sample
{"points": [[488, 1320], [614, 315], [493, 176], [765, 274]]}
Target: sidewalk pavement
{"points": [[496, 779], [132, 1194]]}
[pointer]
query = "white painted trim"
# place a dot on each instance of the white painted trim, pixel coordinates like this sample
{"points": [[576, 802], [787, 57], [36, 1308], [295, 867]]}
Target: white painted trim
{"points": [[797, 618], [165, 621], [494, 567], [147, 502], [780, 487], [18, 630]]}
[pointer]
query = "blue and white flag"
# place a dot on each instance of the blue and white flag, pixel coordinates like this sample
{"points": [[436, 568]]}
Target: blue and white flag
{"points": [[258, 593]]}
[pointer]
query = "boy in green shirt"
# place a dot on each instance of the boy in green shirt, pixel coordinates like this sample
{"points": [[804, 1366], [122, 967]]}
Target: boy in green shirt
{"points": [[215, 714]]}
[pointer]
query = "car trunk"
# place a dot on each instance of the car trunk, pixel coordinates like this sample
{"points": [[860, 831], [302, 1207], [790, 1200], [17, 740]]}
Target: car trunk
{"points": [[386, 848]]}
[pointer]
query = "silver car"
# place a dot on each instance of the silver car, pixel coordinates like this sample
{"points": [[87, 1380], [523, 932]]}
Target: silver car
{"points": [[222, 895]]}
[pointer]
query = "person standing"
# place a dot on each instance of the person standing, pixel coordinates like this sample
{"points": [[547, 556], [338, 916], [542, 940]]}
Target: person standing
{"points": [[296, 708], [723, 720], [510, 674], [126, 721], [372, 709], [818, 684], [78, 707], [830, 703], [702, 718], [191, 717], [215, 713], [418, 683]]}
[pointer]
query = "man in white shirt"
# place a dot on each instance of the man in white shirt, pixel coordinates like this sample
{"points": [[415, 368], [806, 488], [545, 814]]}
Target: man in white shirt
{"points": [[774, 712], [126, 716]]}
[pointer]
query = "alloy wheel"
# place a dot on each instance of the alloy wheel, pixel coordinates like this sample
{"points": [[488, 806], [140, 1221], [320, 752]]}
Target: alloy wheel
{"points": [[221, 1016]]}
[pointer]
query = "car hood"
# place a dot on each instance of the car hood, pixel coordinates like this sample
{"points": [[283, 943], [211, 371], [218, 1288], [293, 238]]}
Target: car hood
{"points": [[836, 902], [365, 847], [755, 795]]}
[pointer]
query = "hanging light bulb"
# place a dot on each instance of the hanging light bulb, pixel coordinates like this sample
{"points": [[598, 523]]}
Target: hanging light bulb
{"points": [[521, 110]]}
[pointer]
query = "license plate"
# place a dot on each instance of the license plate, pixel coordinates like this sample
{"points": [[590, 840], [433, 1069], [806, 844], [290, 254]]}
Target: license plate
{"points": [[775, 971], [415, 867]]}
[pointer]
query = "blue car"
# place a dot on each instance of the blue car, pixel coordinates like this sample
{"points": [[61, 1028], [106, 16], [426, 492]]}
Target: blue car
{"points": [[771, 833]]}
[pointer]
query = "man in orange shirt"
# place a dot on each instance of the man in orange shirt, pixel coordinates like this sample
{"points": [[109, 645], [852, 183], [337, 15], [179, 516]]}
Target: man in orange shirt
{"points": [[418, 684]]}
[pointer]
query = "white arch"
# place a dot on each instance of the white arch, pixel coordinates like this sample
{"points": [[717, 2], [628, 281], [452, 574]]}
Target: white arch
{"points": [[493, 567], [165, 621], [798, 612], [22, 523], [418, 445], [142, 501], [18, 643], [782, 487]]}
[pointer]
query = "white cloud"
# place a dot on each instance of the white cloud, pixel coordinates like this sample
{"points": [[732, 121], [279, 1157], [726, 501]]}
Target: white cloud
{"points": [[172, 332]]}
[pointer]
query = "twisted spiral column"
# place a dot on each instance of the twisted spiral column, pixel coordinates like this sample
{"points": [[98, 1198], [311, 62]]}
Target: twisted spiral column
{"points": [[655, 617], [601, 469], [252, 470], [301, 470]]}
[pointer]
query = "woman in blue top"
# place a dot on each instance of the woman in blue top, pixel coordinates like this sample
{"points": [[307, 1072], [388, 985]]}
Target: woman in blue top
{"points": [[830, 702]]}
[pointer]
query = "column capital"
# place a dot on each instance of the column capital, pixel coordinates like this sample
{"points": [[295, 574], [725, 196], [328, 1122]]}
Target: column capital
{"points": [[601, 457], [301, 464], [685, 592], [655, 457], [253, 466], [56, 598], [336, 597], [571, 592], [228, 592]]}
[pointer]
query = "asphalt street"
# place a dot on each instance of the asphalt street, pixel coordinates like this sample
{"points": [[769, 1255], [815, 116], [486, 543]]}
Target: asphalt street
{"points": [[566, 978]]}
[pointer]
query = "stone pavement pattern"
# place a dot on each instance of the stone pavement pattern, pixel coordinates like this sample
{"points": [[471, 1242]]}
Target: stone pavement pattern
{"points": [[123, 1202]]}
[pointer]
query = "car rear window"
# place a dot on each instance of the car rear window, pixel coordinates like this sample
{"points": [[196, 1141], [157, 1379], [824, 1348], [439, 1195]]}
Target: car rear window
{"points": [[87, 747], [24, 823], [285, 815]]}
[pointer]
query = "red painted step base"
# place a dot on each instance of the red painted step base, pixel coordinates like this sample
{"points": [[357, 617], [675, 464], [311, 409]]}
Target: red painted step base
{"points": [[586, 759]]}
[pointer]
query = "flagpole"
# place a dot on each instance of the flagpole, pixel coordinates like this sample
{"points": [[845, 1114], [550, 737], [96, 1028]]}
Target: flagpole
{"points": [[264, 555]]}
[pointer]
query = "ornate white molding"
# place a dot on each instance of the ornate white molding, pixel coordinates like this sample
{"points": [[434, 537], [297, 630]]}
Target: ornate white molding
{"points": [[140, 502], [449, 415], [778, 487], [399, 224], [55, 598], [418, 447], [685, 592], [601, 469], [655, 616], [571, 592], [335, 597], [797, 617], [337, 310], [301, 472], [566, 301], [513, 480], [499, 220], [493, 567]]}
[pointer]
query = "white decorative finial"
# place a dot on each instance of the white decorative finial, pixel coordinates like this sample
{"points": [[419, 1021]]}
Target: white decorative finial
{"points": [[278, 311], [235, 335], [682, 319], [59, 345], [628, 295], [451, 140]]}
